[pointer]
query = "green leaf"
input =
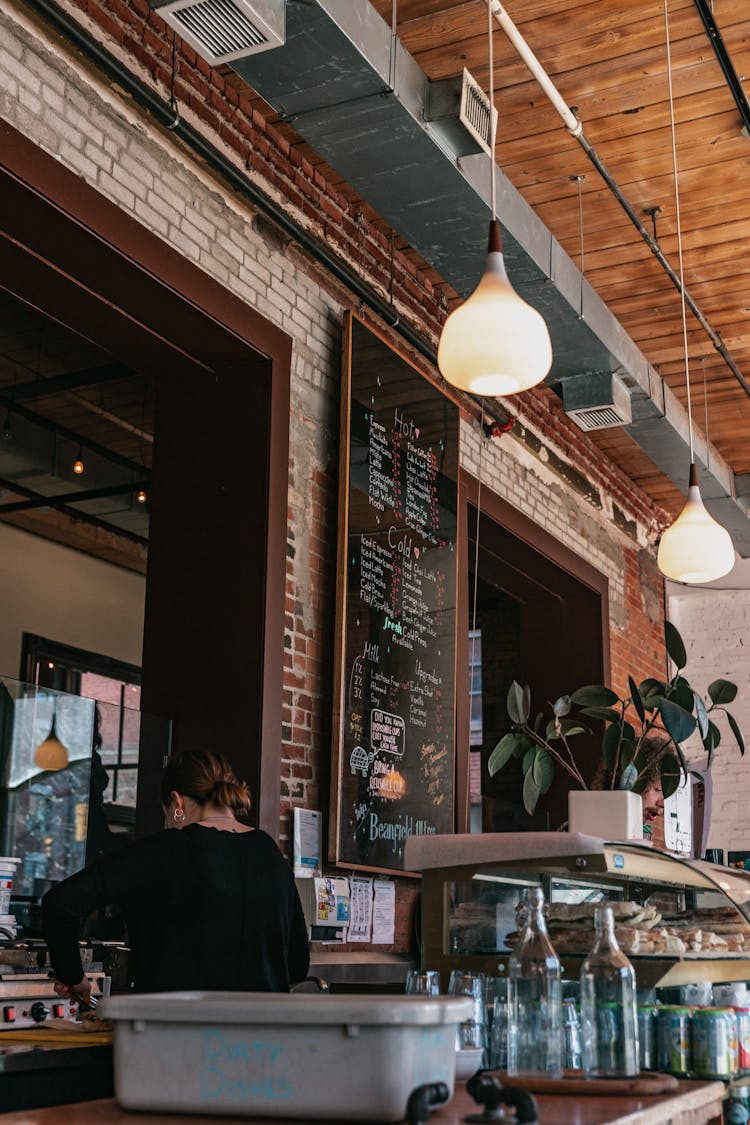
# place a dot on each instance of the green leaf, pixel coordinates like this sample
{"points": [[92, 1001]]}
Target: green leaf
{"points": [[679, 723], [675, 645], [552, 732], [594, 695], [694, 773], [531, 792], [628, 777], [538, 721], [606, 714], [652, 692], [671, 775], [519, 703], [561, 706], [627, 753], [722, 691], [711, 741], [635, 695], [701, 715], [528, 759], [736, 732], [502, 753], [610, 743], [682, 694], [571, 726], [543, 770]]}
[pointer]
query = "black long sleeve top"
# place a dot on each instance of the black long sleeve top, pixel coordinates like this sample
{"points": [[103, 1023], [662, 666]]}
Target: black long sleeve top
{"points": [[205, 909]]}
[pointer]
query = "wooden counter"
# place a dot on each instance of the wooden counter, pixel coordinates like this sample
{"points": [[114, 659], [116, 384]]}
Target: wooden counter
{"points": [[695, 1103]]}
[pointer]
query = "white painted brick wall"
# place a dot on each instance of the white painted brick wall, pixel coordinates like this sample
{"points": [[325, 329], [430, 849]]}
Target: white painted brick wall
{"points": [[714, 625]]}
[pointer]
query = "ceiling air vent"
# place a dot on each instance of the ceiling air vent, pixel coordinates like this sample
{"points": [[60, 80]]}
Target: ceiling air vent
{"points": [[596, 401], [458, 110], [224, 30], [474, 113]]}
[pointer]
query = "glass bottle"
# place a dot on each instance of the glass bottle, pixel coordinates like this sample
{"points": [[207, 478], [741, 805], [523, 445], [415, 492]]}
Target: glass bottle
{"points": [[609, 1017], [534, 998]]}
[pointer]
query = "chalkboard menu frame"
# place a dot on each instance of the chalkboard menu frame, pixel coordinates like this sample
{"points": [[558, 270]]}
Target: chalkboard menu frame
{"points": [[394, 746]]}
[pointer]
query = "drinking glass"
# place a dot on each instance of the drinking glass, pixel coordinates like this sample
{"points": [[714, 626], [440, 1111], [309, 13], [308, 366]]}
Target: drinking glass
{"points": [[423, 983], [472, 1032], [499, 1035]]}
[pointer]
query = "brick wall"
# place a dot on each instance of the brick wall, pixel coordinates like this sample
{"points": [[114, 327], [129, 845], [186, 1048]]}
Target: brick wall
{"points": [[545, 466]]}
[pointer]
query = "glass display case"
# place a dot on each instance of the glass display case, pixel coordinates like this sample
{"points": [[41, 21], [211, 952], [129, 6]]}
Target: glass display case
{"points": [[679, 921]]}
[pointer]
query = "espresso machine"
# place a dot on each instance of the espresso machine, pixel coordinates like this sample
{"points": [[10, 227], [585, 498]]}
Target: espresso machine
{"points": [[27, 995]]}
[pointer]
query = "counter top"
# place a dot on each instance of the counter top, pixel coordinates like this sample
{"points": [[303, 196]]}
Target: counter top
{"points": [[695, 1103]]}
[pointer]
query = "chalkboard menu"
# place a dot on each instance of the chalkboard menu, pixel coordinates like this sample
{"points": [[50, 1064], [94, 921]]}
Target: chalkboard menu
{"points": [[394, 748]]}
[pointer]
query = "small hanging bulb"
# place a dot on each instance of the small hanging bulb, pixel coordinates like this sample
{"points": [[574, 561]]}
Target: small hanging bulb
{"points": [[494, 343], [141, 496], [51, 754], [78, 465], [695, 549], [7, 431]]}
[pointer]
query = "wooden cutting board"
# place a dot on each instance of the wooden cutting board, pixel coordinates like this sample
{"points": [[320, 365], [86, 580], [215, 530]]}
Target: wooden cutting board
{"points": [[647, 1083]]}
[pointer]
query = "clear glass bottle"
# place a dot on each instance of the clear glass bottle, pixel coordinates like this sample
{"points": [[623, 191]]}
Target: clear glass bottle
{"points": [[609, 1017], [535, 1038]]}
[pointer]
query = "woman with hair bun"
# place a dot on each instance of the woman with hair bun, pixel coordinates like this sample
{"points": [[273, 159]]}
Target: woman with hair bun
{"points": [[212, 906]]}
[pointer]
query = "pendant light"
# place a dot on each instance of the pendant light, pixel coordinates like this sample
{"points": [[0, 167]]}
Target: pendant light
{"points": [[494, 343], [695, 549], [51, 755]]}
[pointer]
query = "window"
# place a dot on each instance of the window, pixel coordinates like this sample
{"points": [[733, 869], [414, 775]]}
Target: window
{"points": [[475, 687]]}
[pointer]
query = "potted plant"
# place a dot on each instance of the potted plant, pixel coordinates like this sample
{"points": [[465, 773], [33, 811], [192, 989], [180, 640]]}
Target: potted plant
{"points": [[653, 721]]}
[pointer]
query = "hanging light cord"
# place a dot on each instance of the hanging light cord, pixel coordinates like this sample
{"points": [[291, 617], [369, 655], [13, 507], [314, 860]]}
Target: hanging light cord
{"points": [[679, 230], [476, 540], [491, 64]]}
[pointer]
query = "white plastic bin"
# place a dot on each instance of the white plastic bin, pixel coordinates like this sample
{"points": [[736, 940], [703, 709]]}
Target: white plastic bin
{"points": [[337, 1058]]}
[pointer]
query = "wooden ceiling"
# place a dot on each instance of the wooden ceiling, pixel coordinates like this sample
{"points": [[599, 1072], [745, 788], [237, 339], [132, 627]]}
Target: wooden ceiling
{"points": [[608, 59]]}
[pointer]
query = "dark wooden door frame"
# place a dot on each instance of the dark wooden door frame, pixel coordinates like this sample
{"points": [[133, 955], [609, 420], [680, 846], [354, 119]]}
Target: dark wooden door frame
{"points": [[79, 259], [551, 551]]}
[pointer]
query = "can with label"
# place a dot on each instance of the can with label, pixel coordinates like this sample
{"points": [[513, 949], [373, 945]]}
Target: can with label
{"points": [[743, 1038], [737, 1104], [647, 1054], [673, 1039], [714, 1043]]}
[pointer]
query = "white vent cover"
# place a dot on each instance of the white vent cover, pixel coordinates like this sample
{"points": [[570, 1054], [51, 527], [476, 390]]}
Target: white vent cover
{"points": [[224, 30], [597, 401], [474, 112]]}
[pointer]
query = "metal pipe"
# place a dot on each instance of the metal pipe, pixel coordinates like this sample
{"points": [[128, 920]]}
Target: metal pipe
{"points": [[575, 128], [727, 67]]}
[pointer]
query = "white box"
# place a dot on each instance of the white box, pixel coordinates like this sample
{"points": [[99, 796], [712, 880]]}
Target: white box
{"points": [[612, 814], [338, 1058]]}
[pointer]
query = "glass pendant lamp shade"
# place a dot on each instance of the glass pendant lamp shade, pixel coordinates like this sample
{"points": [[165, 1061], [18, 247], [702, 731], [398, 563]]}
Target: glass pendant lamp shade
{"points": [[51, 754], [494, 343], [695, 548]]}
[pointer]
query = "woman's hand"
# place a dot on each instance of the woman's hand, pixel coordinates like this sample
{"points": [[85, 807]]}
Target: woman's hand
{"points": [[80, 992]]}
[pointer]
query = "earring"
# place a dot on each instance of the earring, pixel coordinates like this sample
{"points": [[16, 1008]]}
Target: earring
{"points": [[178, 814]]}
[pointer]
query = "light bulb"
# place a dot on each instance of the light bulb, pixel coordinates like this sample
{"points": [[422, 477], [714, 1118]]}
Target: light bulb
{"points": [[695, 549], [141, 496], [78, 465], [51, 755], [494, 343]]}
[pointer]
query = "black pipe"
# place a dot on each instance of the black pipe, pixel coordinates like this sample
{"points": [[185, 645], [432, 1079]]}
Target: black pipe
{"points": [[74, 513], [663, 261], [726, 64]]}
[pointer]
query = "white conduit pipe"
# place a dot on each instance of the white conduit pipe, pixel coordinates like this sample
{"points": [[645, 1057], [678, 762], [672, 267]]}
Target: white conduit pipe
{"points": [[572, 123]]}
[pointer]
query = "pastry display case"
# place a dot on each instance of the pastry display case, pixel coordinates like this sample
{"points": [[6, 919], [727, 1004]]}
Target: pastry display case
{"points": [[680, 921]]}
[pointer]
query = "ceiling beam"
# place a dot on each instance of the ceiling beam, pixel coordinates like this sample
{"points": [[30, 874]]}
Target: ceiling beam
{"points": [[70, 381], [73, 513], [62, 499]]}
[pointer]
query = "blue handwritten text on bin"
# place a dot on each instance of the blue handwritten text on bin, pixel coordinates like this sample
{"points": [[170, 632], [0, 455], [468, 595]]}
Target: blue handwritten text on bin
{"points": [[237, 1071]]}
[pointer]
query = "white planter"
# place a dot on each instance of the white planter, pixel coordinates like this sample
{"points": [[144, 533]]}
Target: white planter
{"points": [[613, 814]]}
